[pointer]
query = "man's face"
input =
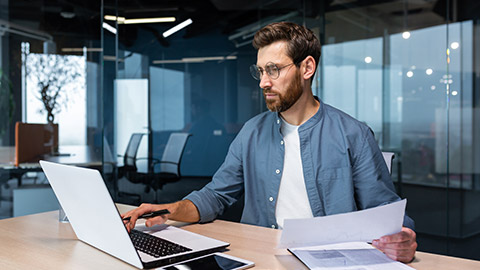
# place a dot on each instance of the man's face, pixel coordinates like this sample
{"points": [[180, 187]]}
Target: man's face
{"points": [[280, 93]]}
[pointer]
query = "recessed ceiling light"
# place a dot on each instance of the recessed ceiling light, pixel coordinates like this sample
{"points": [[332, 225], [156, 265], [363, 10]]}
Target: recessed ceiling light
{"points": [[454, 45]]}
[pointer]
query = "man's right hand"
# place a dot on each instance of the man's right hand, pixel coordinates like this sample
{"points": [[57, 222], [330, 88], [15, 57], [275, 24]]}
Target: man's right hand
{"points": [[146, 208], [184, 211]]}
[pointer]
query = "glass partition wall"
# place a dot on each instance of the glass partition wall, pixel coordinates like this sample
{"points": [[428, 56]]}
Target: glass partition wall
{"points": [[408, 69], [49, 76]]}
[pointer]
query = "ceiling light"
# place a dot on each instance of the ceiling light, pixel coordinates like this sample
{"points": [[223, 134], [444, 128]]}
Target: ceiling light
{"points": [[67, 12], [123, 20], [82, 49], [406, 35], [454, 93], [410, 74], [114, 18], [177, 28], [195, 59], [368, 59], [149, 20], [429, 71], [110, 28], [454, 45]]}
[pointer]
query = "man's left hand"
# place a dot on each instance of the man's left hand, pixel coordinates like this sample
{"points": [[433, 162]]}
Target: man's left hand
{"points": [[400, 246]]}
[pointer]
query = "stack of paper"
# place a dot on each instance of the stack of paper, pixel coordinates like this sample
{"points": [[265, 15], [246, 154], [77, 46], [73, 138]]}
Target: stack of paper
{"points": [[340, 241]]}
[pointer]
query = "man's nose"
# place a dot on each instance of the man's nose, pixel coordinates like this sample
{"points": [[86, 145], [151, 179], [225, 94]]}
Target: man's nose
{"points": [[265, 81]]}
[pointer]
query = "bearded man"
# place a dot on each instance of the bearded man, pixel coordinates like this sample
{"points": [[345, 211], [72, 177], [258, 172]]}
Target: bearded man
{"points": [[300, 159]]}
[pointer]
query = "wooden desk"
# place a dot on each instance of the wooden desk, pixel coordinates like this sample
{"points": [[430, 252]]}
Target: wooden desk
{"points": [[41, 242], [79, 155]]}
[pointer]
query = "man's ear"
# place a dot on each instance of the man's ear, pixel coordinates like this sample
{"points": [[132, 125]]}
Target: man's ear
{"points": [[309, 67]]}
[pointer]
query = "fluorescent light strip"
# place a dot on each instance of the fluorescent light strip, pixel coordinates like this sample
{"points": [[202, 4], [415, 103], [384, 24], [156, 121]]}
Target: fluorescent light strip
{"points": [[123, 20], [177, 28], [81, 49], [109, 28], [167, 62], [112, 58], [149, 20], [114, 18], [195, 59]]}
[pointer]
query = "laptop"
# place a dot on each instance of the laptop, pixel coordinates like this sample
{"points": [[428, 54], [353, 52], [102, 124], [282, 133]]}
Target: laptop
{"points": [[96, 221]]}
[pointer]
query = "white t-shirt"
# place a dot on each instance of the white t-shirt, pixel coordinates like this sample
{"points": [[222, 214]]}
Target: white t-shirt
{"points": [[292, 201]]}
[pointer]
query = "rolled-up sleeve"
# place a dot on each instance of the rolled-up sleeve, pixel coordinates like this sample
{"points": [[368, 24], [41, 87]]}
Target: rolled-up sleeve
{"points": [[224, 189]]}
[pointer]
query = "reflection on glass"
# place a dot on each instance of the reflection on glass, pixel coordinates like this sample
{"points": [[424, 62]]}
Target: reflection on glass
{"points": [[56, 92]]}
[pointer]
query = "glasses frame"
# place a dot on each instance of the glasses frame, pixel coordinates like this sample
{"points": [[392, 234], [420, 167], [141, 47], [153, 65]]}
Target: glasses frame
{"points": [[257, 72]]}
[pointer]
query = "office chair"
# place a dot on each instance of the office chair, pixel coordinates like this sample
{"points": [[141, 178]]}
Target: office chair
{"points": [[388, 157], [160, 172], [167, 169], [129, 168]]}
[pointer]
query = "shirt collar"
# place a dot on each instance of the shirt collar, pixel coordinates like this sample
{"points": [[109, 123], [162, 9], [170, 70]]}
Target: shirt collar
{"points": [[310, 122]]}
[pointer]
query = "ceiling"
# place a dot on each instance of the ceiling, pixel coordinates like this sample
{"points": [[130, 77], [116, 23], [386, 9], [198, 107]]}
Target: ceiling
{"points": [[78, 21]]}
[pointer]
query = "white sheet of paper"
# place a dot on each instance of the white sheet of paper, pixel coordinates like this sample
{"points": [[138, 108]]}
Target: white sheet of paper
{"points": [[362, 226], [351, 255]]}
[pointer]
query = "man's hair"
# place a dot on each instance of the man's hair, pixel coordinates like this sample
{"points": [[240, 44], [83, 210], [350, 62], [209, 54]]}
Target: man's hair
{"points": [[301, 42]]}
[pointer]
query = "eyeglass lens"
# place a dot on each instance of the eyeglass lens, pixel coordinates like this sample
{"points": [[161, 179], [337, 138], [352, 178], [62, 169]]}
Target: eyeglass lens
{"points": [[271, 69]]}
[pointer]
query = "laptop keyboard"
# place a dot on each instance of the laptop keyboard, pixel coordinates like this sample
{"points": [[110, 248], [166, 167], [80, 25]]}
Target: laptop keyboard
{"points": [[155, 246]]}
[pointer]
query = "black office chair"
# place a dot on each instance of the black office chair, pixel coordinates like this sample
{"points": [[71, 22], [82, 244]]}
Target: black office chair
{"points": [[167, 169], [159, 172], [129, 169]]}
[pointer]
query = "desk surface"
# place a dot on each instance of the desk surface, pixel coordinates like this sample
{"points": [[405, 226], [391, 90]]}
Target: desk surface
{"points": [[41, 242], [79, 155]]}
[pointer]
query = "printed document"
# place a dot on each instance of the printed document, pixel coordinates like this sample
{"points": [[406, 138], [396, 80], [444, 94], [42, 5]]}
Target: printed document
{"points": [[358, 226], [340, 241], [351, 255]]}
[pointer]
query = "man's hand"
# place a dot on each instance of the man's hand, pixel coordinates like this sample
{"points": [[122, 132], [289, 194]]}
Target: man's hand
{"points": [[145, 208], [183, 210], [400, 246]]}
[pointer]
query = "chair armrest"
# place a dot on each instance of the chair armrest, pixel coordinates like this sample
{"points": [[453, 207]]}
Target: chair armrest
{"points": [[168, 162], [162, 162], [143, 158]]}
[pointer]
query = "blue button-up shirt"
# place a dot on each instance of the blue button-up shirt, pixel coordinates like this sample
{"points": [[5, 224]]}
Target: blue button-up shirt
{"points": [[343, 168]]}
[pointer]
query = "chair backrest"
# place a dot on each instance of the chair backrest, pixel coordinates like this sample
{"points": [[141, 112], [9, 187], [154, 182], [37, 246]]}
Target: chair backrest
{"points": [[34, 140], [388, 157], [172, 154], [132, 148], [107, 152]]}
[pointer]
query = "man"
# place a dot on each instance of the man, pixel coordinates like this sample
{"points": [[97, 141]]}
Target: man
{"points": [[302, 159]]}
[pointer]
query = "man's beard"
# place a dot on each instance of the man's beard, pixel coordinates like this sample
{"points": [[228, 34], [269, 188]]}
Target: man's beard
{"points": [[284, 102]]}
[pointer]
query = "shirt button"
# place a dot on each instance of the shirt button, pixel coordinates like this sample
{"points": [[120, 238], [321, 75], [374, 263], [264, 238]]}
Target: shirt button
{"points": [[270, 199], [273, 226], [281, 142], [277, 171]]}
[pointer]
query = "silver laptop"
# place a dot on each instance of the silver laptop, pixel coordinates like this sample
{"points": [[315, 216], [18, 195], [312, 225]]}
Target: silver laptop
{"points": [[95, 219]]}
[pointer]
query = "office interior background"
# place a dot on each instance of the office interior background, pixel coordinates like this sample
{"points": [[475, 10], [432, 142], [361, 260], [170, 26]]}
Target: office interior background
{"points": [[410, 69]]}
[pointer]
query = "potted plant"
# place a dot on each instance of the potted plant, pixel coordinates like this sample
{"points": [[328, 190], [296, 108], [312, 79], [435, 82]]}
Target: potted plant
{"points": [[52, 73]]}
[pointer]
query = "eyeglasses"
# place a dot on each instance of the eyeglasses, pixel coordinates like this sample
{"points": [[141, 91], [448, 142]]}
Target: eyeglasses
{"points": [[272, 71]]}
